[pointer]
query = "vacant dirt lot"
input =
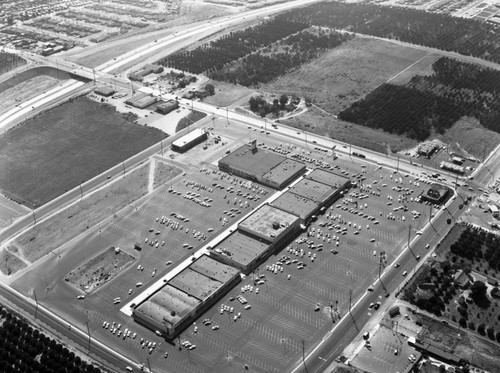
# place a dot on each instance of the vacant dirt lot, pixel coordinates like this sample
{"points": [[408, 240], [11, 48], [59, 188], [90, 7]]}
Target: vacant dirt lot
{"points": [[67, 224], [65, 146], [470, 137], [316, 121], [347, 73], [99, 270]]}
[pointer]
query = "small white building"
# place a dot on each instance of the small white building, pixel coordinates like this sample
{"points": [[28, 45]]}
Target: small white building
{"points": [[494, 210]]}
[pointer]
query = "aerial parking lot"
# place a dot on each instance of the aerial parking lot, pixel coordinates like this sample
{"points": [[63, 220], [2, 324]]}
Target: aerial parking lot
{"points": [[286, 304]]}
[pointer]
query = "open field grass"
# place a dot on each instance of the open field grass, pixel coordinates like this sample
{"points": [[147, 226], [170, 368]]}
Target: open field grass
{"points": [[28, 84], [189, 120], [10, 263], [52, 233], [163, 172], [347, 73], [227, 94], [65, 146], [316, 121], [470, 137]]}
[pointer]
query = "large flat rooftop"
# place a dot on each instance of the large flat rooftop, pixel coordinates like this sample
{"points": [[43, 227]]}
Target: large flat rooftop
{"points": [[268, 221], [241, 248], [295, 204], [313, 190], [258, 162], [186, 291], [189, 137], [284, 171], [328, 178], [213, 269], [195, 284], [167, 306]]}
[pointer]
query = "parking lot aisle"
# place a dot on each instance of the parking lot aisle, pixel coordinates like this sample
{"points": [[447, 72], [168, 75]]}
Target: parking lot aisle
{"points": [[275, 353], [293, 329]]}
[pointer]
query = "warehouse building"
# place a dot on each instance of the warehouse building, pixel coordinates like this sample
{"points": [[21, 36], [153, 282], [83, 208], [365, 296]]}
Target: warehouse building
{"points": [[296, 204], [241, 251], [186, 296], [264, 167], [104, 91], [267, 230], [270, 224], [186, 142], [313, 194], [141, 100], [166, 107]]}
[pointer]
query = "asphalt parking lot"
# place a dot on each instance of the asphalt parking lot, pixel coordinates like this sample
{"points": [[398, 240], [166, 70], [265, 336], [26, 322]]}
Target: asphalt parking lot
{"points": [[294, 297]]}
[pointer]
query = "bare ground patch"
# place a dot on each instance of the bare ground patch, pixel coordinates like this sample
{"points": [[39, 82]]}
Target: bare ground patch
{"points": [[99, 270], [50, 234], [228, 94], [10, 263], [470, 137], [323, 124], [164, 172], [347, 73]]}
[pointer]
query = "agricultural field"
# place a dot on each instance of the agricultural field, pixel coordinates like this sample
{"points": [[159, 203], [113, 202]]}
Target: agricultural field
{"points": [[433, 102], [65, 146], [9, 61], [346, 73], [25, 348], [469, 300]]}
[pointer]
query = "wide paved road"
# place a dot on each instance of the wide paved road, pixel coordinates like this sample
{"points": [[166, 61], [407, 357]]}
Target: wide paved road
{"points": [[346, 330]]}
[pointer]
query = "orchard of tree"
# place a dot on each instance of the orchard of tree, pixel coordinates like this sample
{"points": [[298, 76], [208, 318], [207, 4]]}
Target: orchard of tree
{"points": [[476, 245], [268, 63], [465, 36], [213, 56], [24, 349], [434, 102], [9, 61]]}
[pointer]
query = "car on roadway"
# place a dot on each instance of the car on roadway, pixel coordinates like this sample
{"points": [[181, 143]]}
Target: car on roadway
{"points": [[404, 273], [396, 265]]}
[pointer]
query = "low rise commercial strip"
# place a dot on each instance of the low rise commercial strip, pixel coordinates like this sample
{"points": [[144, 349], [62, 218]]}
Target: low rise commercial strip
{"points": [[186, 296]]}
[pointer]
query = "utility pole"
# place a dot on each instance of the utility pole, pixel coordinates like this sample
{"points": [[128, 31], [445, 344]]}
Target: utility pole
{"points": [[36, 303], [397, 168], [81, 193], [93, 71], [88, 331], [350, 300], [123, 164], [34, 218], [303, 355], [409, 233], [149, 366]]}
